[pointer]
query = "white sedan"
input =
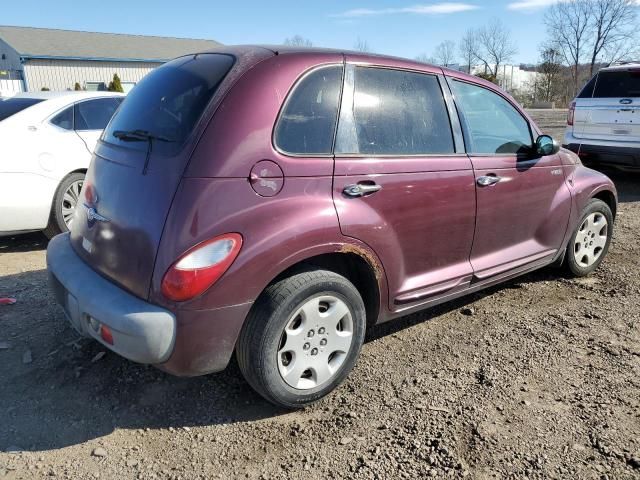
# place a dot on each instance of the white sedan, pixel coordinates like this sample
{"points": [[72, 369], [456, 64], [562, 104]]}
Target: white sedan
{"points": [[46, 143]]}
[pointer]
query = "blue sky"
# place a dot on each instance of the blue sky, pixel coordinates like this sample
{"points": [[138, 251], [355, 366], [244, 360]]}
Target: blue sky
{"points": [[406, 29]]}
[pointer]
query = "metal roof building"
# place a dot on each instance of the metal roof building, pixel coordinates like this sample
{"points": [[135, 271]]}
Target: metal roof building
{"points": [[35, 58]]}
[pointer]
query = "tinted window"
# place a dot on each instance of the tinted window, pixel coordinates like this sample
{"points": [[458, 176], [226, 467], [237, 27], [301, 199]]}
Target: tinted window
{"points": [[618, 84], [170, 100], [493, 125], [399, 113], [64, 119], [94, 114], [587, 91], [308, 121], [11, 106]]}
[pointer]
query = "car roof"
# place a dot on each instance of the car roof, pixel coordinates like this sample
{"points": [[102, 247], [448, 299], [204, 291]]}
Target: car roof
{"points": [[71, 95], [240, 50], [621, 66], [374, 58]]}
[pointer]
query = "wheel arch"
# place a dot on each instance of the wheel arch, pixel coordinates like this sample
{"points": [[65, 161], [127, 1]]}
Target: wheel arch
{"points": [[351, 264], [609, 198]]}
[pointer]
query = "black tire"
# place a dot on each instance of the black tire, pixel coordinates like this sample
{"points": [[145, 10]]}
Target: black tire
{"points": [[259, 341], [56, 223], [572, 264]]}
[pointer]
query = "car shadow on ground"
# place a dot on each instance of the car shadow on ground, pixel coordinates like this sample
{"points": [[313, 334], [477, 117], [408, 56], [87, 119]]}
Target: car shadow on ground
{"points": [[71, 390], [25, 242], [60, 389]]}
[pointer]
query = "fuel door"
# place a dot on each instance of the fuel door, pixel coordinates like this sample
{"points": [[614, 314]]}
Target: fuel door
{"points": [[266, 178]]}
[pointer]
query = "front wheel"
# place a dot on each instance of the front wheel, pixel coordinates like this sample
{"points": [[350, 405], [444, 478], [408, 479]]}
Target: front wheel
{"points": [[590, 242], [302, 338]]}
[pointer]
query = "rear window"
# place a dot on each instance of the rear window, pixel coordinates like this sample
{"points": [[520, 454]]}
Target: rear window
{"points": [[587, 91], [618, 84], [11, 106], [169, 101], [95, 114]]}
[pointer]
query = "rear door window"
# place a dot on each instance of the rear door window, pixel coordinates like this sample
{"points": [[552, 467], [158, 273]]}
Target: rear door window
{"points": [[307, 123], [492, 124], [95, 114], [64, 119], [11, 106], [397, 112], [169, 101], [618, 84]]}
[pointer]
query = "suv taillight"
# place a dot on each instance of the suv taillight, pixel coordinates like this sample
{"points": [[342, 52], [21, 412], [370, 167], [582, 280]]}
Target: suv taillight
{"points": [[571, 114], [200, 267]]}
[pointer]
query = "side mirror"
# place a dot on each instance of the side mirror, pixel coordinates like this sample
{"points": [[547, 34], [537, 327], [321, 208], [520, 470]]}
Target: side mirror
{"points": [[546, 145]]}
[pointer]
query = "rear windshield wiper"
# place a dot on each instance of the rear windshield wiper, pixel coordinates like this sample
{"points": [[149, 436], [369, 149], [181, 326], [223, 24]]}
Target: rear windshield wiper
{"points": [[141, 136]]}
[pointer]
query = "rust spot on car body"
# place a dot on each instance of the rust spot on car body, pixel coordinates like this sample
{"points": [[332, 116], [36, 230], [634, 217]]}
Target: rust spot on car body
{"points": [[366, 255]]}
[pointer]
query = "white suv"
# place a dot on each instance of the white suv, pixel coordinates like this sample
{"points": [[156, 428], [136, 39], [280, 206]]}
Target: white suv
{"points": [[603, 125]]}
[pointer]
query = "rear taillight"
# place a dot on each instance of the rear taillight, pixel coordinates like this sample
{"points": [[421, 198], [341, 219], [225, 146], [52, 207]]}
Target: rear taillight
{"points": [[571, 114], [199, 268], [105, 333], [89, 193]]}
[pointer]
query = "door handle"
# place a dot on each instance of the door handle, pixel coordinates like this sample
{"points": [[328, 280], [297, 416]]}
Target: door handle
{"points": [[360, 189], [488, 180]]}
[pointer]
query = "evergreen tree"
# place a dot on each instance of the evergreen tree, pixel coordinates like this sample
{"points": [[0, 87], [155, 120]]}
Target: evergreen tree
{"points": [[77, 87], [115, 85]]}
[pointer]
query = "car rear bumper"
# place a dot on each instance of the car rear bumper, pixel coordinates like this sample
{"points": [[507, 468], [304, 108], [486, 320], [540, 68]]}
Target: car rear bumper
{"points": [[183, 343], [141, 332], [590, 154]]}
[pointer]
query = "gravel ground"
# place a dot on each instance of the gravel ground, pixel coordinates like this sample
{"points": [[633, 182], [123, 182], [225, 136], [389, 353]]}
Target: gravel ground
{"points": [[552, 122], [536, 378]]}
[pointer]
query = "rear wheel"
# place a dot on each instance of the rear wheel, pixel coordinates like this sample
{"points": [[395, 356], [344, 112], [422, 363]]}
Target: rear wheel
{"points": [[302, 338], [65, 201], [590, 242]]}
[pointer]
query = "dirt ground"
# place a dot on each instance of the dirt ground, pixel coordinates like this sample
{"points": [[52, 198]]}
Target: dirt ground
{"points": [[536, 378]]}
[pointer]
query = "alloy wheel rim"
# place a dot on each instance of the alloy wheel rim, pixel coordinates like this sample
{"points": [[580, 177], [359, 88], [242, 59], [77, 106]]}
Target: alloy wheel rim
{"points": [[315, 342], [590, 239], [70, 201]]}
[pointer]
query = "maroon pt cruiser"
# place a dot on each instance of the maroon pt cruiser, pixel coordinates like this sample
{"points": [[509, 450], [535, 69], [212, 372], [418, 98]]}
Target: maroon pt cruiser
{"points": [[277, 202]]}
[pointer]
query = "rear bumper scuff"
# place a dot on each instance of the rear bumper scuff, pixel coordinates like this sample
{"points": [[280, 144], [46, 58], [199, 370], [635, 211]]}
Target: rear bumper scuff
{"points": [[142, 332]]}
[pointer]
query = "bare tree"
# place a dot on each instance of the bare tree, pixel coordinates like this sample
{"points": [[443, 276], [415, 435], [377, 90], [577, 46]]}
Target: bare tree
{"points": [[468, 47], [362, 45], [424, 58], [298, 41], [445, 53], [495, 46], [614, 24], [568, 27], [549, 78]]}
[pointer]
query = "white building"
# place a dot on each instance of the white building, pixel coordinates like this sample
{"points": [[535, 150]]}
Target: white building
{"points": [[511, 77], [35, 58]]}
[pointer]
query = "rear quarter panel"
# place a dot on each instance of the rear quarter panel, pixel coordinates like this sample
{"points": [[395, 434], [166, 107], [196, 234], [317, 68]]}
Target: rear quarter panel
{"points": [[215, 195]]}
